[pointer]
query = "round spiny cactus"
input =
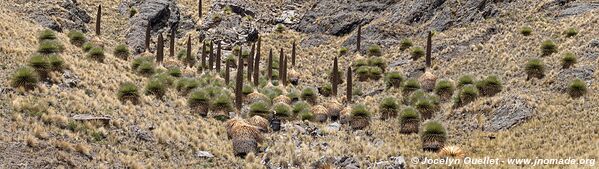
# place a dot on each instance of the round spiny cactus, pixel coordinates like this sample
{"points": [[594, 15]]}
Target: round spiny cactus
{"points": [[25, 77], [394, 79], [360, 117], [97, 54], [417, 53], [306, 115], [409, 121], [433, 136], [405, 44], [76, 38], [247, 89], [577, 88], [309, 95], [548, 47], [468, 94], [568, 60], [300, 107], [199, 102], [535, 68], [388, 108], [222, 105], [363, 73], [128, 92], [426, 107], [294, 96], [121, 51], [452, 151], [444, 89], [489, 86], [374, 50]]}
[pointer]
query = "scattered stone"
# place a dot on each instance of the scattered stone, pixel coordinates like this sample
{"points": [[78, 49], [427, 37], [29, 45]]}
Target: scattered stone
{"points": [[577, 9], [594, 43], [142, 134], [427, 81], [347, 163], [87, 117], [70, 80], [510, 111], [565, 76], [334, 126], [63, 16], [397, 162], [204, 154]]}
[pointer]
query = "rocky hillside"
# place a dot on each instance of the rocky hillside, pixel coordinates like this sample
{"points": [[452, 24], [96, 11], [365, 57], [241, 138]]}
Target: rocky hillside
{"points": [[252, 84]]}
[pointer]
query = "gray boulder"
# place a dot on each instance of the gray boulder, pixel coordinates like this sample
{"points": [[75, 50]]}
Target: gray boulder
{"points": [[510, 111], [66, 15], [565, 76]]}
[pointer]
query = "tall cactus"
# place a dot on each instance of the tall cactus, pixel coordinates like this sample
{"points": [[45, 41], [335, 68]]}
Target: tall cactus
{"points": [[189, 51], [160, 49], [281, 65], [293, 54], [269, 72], [218, 56], [211, 56], [227, 71], [148, 36], [251, 62], [335, 78], [348, 92], [359, 38], [428, 49], [172, 41], [257, 63], [98, 20], [239, 81], [200, 8], [203, 55], [284, 70]]}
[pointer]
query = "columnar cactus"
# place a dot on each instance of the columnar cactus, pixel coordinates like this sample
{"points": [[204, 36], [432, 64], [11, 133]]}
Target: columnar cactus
{"points": [[203, 55], [218, 56], [239, 81], [211, 57], [284, 78], [281, 66], [160, 49], [257, 64], [200, 8], [293, 54], [251, 62], [172, 41], [335, 77], [358, 38], [428, 49], [148, 36], [227, 71], [189, 57], [348, 92], [98, 20], [270, 65]]}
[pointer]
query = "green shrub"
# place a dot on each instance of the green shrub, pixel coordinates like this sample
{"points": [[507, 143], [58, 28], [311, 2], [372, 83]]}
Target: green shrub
{"points": [[25, 77], [389, 104], [76, 38], [282, 110], [489, 86], [198, 98], [280, 28], [300, 107], [56, 63], [307, 115], [49, 47], [374, 50], [378, 62], [405, 44], [363, 73], [128, 91], [46, 34], [468, 94], [146, 68], [394, 79], [174, 72], [343, 51], [259, 108], [294, 95], [272, 92], [465, 80], [535, 68], [182, 54], [360, 62], [247, 89], [434, 128], [121, 51], [571, 32], [526, 31], [185, 85], [408, 113], [228, 10], [568, 60], [357, 91], [375, 73], [40, 64], [444, 88], [360, 110], [97, 54], [132, 12], [138, 61], [410, 86], [417, 53], [309, 95], [326, 90], [577, 88], [156, 87], [87, 46], [548, 47]]}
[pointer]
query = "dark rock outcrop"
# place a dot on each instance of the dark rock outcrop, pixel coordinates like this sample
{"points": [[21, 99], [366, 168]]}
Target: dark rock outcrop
{"points": [[507, 112], [67, 15], [565, 76]]}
